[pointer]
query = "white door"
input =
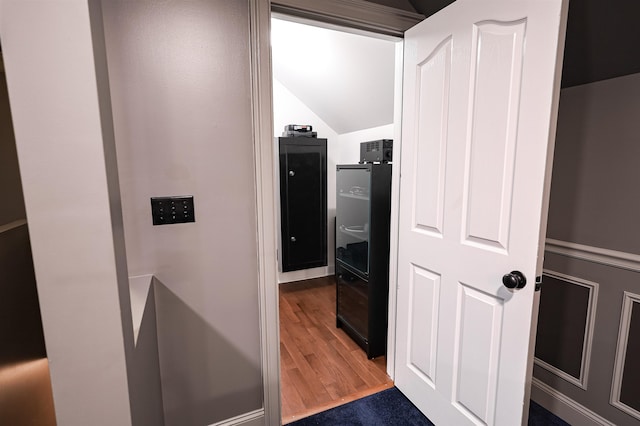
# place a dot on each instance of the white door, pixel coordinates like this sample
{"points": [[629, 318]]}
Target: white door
{"points": [[481, 83]]}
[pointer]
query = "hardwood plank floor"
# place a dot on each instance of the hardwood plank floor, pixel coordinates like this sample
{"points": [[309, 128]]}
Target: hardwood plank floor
{"points": [[320, 366]]}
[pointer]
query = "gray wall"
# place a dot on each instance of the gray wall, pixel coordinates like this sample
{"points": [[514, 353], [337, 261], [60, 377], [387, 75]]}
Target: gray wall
{"points": [[596, 169], [180, 90], [594, 203], [54, 63], [178, 73]]}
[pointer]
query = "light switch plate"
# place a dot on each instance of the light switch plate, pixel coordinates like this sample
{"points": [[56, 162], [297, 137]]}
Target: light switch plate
{"points": [[170, 210]]}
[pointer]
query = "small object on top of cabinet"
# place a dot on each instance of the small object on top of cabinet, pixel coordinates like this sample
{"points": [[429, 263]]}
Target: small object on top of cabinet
{"points": [[380, 151], [303, 202], [363, 210], [298, 130]]}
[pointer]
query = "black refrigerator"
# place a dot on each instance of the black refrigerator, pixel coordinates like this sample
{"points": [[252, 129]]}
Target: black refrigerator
{"points": [[363, 208]]}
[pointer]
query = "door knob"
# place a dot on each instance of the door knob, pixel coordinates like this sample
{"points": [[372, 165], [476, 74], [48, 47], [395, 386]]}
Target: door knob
{"points": [[515, 279], [292, 173], [293, 239]]}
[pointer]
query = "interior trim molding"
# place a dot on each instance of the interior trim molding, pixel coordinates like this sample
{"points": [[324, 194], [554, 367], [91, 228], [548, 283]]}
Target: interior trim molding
{"points": [[12, 225], [395, 216], [614, 258], [261, 101], [589, 326], [360, 14], [251, 418], [621, 354], [565, 407]]}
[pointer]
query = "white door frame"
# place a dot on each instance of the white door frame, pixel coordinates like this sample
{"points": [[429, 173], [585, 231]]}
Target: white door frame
{"points": [[395, 212], [377, 20], [261, 104]]}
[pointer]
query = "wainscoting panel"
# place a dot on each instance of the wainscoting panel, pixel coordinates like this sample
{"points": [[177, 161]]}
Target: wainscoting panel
{"points": [[593, 234], [565, 326], [586, 321], [625, 390]]}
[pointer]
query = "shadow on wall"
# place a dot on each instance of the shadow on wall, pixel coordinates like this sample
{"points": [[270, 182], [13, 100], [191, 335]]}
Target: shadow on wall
{"points": [[568, 169], [144, 374], [197, 388]]}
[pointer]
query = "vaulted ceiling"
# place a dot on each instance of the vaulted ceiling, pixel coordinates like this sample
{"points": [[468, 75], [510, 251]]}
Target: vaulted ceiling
{"points": [[346, 79]]}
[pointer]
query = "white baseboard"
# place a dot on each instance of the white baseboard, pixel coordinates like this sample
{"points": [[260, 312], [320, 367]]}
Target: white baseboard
{"points": [[564, 407], [305, 274], [253, 418]]}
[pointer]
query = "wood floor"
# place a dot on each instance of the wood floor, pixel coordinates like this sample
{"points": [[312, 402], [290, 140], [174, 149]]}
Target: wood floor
{"points": [[321, 367]]}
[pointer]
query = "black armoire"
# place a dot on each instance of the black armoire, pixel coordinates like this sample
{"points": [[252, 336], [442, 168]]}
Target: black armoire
{"points": [[363, 210], [303, 202]]}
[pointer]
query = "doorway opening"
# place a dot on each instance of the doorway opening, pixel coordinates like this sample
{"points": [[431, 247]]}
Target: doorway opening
{"points": [[343, 83]]}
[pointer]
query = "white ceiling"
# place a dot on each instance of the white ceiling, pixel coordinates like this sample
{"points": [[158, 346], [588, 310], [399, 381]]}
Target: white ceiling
{"points": [[346, 79]]}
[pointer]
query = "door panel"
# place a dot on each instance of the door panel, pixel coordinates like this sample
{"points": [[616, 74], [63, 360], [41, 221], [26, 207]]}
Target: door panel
{"points": [[478, 339], [478, 128], [425, 289], [306, 214], [433, 85], [495, 91]]}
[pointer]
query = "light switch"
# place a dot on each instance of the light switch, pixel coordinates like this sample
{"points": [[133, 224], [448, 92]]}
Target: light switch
{"points": [[168, 210]]}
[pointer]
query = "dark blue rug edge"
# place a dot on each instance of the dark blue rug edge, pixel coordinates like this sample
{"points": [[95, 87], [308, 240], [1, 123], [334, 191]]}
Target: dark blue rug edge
{"points": [[391, 407]]}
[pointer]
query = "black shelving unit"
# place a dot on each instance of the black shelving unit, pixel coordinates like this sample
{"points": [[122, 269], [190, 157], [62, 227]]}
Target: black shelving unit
{"points": [[363, 206], [303, 202]]}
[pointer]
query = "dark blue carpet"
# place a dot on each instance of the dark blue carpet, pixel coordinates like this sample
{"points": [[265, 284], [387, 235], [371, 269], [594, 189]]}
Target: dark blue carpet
{"points": [[391, 407], [539, 416]]}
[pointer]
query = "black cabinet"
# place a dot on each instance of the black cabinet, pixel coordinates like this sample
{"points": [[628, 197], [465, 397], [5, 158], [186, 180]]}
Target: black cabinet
{"points": [[363, 209], [303, 202]]}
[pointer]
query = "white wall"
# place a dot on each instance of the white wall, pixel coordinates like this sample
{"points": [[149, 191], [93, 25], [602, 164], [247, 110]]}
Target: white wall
{"points": [[288, 109], [349, 143], [345, 78], [181, 91]]}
